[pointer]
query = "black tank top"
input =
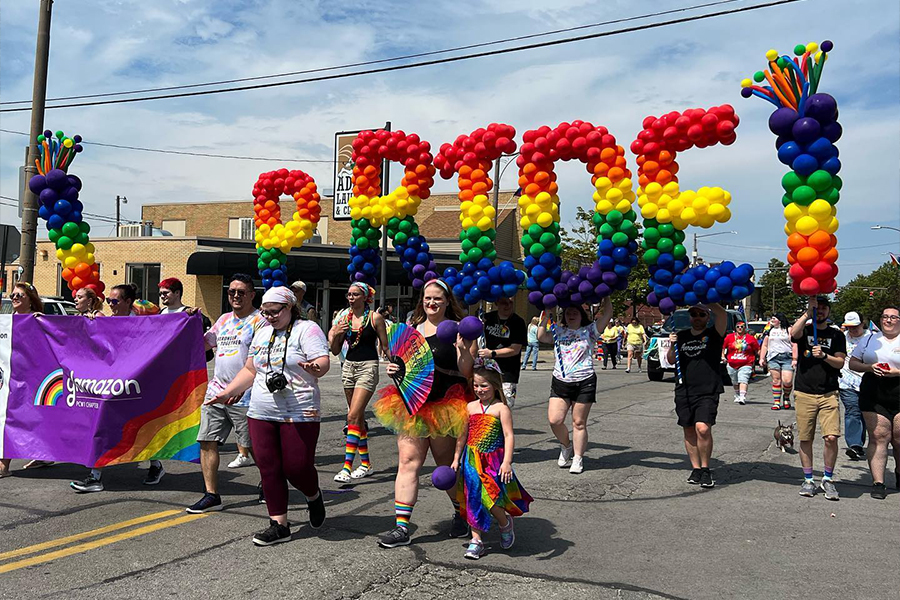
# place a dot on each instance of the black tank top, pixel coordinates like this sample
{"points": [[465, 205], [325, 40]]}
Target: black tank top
{"points": [[444, 360], [365, 347]]}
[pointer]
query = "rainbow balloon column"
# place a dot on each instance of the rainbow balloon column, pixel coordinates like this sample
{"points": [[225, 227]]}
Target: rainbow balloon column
{"points": [[61, 208], [613, 220], [369, 210], [273, 238], [805, 122], [668, 211], [472, 157]]}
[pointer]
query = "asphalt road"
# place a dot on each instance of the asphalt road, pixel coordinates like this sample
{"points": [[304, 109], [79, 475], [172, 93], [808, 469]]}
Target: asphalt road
{"points": [[628, 527]]}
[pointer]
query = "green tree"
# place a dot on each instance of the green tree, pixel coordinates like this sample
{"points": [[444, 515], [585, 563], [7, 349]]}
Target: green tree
{"points": [[776, 294], [869, 294]]}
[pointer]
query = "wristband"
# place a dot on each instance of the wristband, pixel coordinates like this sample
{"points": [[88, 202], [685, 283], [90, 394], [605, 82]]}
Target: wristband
{"points": [[493, 354]]}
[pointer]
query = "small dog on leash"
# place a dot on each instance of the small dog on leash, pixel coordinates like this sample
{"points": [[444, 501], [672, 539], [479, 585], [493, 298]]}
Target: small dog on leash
{"points": [[784, 435]]}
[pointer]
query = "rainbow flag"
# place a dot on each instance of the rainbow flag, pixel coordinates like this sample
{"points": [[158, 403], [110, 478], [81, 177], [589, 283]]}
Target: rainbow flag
{"points": [[101, 392]]}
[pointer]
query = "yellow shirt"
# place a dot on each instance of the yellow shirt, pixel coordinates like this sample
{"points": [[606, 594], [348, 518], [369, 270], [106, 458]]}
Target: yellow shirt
{"points": [[635, 334], [611, 334]]}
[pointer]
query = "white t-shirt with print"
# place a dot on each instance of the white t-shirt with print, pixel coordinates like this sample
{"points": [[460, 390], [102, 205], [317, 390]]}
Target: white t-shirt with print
{"points": [[878, 349], [231, 337], [779, 342], [574, 348], [300, 400], [169, 311]]}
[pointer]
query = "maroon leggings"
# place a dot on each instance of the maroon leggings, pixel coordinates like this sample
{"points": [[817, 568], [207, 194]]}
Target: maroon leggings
{"points": [[285, 452]]}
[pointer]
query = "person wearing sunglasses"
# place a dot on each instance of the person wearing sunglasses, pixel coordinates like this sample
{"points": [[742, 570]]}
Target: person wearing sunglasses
{"points": [[230, 336], [739, 353], [287, 357], [878, 359], [25, 301], [698, 352], [820, 358], [363, 330]]}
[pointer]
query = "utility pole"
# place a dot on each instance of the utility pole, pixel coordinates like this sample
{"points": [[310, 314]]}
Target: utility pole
{"points": [[497, 189], [385, 190], [38, 99], [119, 200], [694, 253]]}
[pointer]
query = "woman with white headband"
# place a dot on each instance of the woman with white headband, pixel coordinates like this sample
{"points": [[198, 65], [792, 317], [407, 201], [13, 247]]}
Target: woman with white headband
{"points": [[287, 357], [363, 329], [439, 421]]}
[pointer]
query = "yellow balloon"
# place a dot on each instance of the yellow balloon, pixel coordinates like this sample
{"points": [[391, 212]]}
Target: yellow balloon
{"points": [[603, 184], [603, 207], [649, 210], [700, 205], [679, 223], [467, 222], [623, 206], [525, 222], [653, 190], [664, 216], [715, 210], [672, 188], [832, 225], [689, 215], [265, 229], [725, 216], [485, 223], [807, 225], [676, 206], [705, 221], [489, 212], [820, 209], [524, 201], [532, 211], [545, 219], [60, 254], [793, 211], [71, 261], [614, 195]]}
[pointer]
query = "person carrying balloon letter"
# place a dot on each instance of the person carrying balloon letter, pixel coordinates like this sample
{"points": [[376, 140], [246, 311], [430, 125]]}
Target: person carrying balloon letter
{"points": [[487, 489], [821, 350], [438, 420], [574, 383], [697, 355], [363, 330]]}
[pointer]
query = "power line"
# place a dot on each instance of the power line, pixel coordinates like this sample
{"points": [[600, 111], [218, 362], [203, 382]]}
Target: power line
{"points": [[840, 248], [427, 62], [106, 218], [383, 60], [187, 153]]}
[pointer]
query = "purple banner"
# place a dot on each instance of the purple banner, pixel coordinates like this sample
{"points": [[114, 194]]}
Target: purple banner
{"points": [[102, 392]]}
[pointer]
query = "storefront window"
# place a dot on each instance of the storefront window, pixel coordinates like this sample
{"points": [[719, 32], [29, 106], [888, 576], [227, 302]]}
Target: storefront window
{"points": [[146, 277]]}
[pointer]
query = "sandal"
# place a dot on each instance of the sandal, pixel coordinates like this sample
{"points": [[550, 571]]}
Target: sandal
{"points": [[360, 472], [776, 407], [475, 550], [342, 477]]}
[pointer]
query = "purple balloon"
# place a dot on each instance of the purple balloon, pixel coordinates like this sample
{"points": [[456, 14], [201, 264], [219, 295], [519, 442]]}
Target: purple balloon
{"points": [[666, 306], [535, 298], [652, 300], [573, 282], [602, 290], [447, 330], [585, 287], [429, 275], [822, 108], [609, 278], [560, 288], [583, 272], [550, 300], [575, 298], [832, 131], [57, 179], [49, 197], [565, 276], [37, 184], [418, 284], [75, 182], [594, 274], [443, 478], [418, 271], [806, 130], [782, 120], [70, 194], [471, 328]]}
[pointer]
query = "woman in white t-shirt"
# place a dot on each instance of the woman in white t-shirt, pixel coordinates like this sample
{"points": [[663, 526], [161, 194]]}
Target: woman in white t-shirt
{"points": [[779, 354], [878, 359], [574, 383], [287, 357]]}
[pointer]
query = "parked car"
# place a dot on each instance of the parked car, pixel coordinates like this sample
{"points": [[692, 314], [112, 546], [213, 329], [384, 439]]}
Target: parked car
{"points": [[52, 306], [757, 328], [677, 321]]}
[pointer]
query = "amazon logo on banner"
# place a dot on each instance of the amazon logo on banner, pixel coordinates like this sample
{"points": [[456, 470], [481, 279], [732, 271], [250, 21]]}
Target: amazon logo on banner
{"points": [[101, 389]]}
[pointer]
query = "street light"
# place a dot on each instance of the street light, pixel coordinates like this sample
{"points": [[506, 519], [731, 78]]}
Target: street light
{"points": [[702, 235], [119, 201], [884, 227]]}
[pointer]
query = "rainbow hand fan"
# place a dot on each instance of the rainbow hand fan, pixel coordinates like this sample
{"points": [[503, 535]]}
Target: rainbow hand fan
{"points": [[412, 354]]}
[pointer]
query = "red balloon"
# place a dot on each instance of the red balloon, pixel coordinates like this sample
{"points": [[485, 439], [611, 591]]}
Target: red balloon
{"points": [[809, 286]]}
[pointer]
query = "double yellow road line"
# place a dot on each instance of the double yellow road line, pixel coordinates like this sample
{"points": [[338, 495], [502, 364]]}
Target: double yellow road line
{"points": [[41, 557]]}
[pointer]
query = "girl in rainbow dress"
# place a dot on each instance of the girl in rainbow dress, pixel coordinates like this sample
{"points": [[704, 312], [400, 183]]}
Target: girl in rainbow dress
{"points": [[487, 488]]}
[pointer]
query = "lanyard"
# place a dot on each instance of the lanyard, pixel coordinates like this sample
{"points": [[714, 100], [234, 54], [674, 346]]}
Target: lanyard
{"points": [[287, 337]]}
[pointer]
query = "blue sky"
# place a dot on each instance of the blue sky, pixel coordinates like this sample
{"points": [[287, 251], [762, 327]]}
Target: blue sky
{"points": [[111, 45]]}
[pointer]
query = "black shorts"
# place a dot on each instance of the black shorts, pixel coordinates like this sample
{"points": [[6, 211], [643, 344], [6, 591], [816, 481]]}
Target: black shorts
{"points": [[696, 409], [580, 391], [880, 395]]}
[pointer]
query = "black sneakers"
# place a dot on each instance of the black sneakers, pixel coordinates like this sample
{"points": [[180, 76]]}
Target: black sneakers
{"points": [[208, 502], [274, 534], [694, 478], [398, 536], [154, 474], [86, 485], [458, 527], [879, 492], [706, 480], [316, 511]]}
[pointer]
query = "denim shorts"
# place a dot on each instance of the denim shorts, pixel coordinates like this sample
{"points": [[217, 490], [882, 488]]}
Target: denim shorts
{"points": [[740, 374], [781, 362]]}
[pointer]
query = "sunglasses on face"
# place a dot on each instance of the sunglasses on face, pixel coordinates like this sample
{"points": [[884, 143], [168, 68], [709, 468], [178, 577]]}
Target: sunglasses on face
{"points": [[164, 292], [697, 315], [16, 296], [112, 301], [890, 318], [237, 293], [271, 314]]}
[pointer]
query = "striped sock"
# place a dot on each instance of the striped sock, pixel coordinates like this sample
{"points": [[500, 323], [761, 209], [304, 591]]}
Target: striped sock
{"points": [[776, 393], [364, 447], [403, 511], [807, 473], [829, 471], [786, 393], [350, 448]]}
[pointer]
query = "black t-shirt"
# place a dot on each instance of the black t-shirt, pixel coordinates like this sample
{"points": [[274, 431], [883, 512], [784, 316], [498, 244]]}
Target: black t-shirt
{"points": [[699, 357], [503, 333], [814, 375]]}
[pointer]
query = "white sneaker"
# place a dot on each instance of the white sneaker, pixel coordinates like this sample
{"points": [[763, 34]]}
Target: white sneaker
{"points": [[737, 399], [342, 477], [628, 370], [577, 465], [240, 461], [565, 455], [360, 472], [743, 398]]}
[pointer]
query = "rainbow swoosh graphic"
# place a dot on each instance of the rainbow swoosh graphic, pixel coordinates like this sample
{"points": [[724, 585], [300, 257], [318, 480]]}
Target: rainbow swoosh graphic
{"points": [[169, 431], [50, 390]]}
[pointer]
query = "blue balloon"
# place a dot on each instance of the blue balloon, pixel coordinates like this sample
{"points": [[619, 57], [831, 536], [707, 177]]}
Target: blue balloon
{"points": [[469, 268], [832, 165], [531, 284], [530, 261], [805, 165], [606, 246], [739, 292], [279, 275], [712, 296], [606, 262], [620, 254], [632, 246], [712, 276], [632, 260], [660, 290], [266, 273], [510, 289], [700, 271], [666, 261], [267, 283], [663, 277], [724, 285], [726, 267], [423, 258], [450, 272], [539, 272], [690, 299], [548, 260], [822, 149], [679, 266], [547, 286], [55, 222], [700, 287], [368, 268], [496, 292], [485, 263], [788, 152], [414, 241], [424, 246], [622, 270]]}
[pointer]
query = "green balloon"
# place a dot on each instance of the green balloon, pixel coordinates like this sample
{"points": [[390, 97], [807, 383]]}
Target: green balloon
{"points": [[679, 236], [554, 227], [791, 181], [467, 245], [803, 195], [82, 238], [606, 230], [527, 241], [276, 253], [393, 222], [666, 230], [799, 49], [492, 254], [475, 254], [679, 251], [648, 223], [651, 235], [274, 264], [785, 200], [362, 243], [837, 181], [651, 256], [597, 219], [535, 231], [485, 243], [400, 238], [373, 234], [64, 242], [832, 195], [631, 216], [628, 229], [820, 180], [536, 250], [260, 264], [644, 244], [614, 218], [85, 227], [473, 233], [548, 239], [599, 238], [405, 226], [665, 245], [463, 257], [54, 235], [491, 233], [415, 230], [355, 233], [619, 239], [364, 223], [556, 250], [71, 229], [759, 77]]}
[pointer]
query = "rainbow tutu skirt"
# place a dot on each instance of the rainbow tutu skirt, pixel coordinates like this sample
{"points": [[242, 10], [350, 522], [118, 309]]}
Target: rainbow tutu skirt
{"points": [[439, 418]]}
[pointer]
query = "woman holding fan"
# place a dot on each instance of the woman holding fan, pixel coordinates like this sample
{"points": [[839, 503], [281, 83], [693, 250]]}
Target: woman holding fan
{"points": [[439, 421], [574, 383], [363, 329]]}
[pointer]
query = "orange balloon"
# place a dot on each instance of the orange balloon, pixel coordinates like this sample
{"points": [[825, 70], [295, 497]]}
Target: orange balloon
{"points": [[807, 256], [466, 195], [616, 174], [553, 188], [532, 189], [465, 171], [820, 240], [68, 274], [541, 177], [796, 241], [480, 187], [791, 258], [663, 177], [607, 154], [830, 256], [651, 167], [464, 183], [77, 282]]}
